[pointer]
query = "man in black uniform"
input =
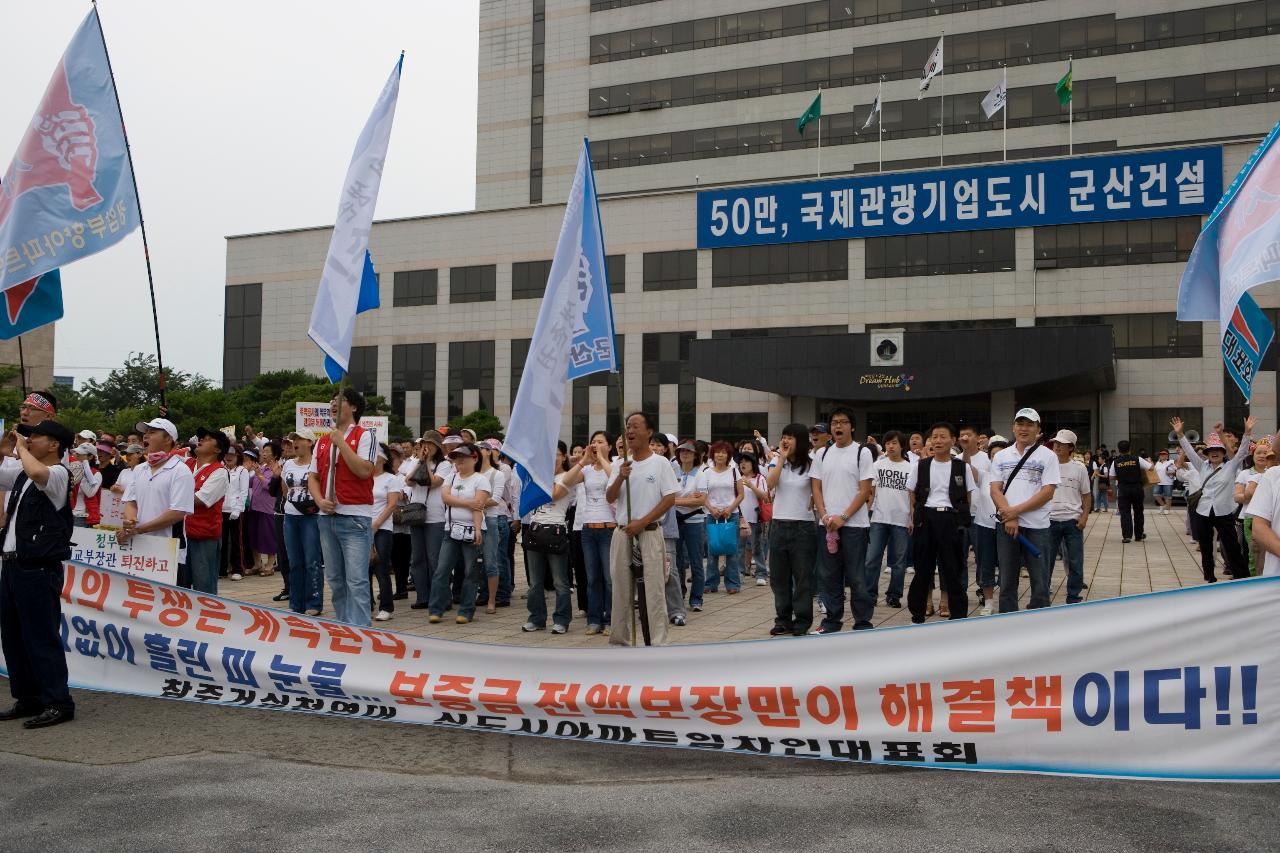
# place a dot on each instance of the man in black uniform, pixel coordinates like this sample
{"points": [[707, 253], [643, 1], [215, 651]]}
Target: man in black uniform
{"points": [[36, 538], [939, 489], [1128, 470]]}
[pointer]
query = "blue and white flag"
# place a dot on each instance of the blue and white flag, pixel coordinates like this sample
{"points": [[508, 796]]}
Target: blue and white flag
{"points": [[30, 305], [573, 337], [348, 284], [1244, 341], [68, 192]]}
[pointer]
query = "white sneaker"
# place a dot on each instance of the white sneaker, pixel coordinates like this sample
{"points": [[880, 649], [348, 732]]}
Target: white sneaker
{"points": [[911, 570], [887, 570], [529, 627], [382, 616], [762, 581], [558, 629], [987, 609], [236, 576]]}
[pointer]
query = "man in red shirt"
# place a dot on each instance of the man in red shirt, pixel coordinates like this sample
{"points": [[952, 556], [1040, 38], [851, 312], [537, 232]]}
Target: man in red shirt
{"points": [[204, 526]]}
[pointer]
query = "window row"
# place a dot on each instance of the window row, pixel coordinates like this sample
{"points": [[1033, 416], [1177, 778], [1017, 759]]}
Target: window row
{"points": [[1051, 41], [940, 254], [1098, 244], [1027, 106], [742, 266], [241, 334], [414, 287], [1142, 335], [777, 22], [529, 278]]}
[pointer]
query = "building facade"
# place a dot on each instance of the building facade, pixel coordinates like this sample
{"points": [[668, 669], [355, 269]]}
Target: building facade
{"points": [[687, 102]]}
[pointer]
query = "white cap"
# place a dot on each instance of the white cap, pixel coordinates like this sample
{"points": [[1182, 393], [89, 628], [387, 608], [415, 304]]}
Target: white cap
{"points": [[87, 435], [672, 439], [1065, 436], [1028, 413], [158, 423]]}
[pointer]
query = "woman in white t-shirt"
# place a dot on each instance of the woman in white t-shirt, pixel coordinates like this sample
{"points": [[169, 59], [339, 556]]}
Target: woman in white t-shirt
{"points": [[302, 532], [595, 515], [792, 536], [546, 550], [755, 494], [724, 496], [1246, 486], [982, 533], [496, 522], [466, 491], [388, 489], [424, 479]]}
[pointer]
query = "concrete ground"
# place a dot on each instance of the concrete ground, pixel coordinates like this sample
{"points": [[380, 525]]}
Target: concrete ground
{"points": [[145, 774]]}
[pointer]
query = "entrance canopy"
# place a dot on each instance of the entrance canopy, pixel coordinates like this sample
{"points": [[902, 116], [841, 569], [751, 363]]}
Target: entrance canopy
{"points": [[1053, 361]]}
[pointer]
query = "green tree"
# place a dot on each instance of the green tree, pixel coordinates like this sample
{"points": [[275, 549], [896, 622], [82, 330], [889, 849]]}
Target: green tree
{"points": [[136, 384], [480, 421]]}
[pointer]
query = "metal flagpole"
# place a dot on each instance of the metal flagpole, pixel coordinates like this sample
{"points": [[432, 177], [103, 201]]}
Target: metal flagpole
{"points": [[22, 366], [819, 134], [1004, 134], [942, 100], [880, 119], [142, 224], [1071, 111]]}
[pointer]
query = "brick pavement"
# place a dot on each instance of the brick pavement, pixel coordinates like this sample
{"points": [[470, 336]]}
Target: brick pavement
{"points": [[1167, 559]]}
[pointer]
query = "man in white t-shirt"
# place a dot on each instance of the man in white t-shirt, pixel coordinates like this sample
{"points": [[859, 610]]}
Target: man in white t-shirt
{"points": [[642, 488], [1264, 509], [841, 477], [162, 492], [890, 520], [1162, 491], [1023, 511], [1072, 501]]}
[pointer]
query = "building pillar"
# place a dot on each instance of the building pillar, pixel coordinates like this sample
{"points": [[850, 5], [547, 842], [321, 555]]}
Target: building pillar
{"points": [[1003, 407]]}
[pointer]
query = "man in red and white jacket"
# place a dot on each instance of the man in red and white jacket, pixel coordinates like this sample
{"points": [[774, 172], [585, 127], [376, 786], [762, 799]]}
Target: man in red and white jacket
{"points": [[341, 482], [204, 526], [86, 494]]}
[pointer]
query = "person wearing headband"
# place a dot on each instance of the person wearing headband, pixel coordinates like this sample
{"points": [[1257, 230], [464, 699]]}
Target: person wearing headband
{"points": [[37, 407]]}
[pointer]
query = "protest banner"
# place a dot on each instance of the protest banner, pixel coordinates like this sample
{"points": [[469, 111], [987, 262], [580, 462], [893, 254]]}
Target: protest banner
{"points": [[1168, 685], [112, 510], [151, 557], [314, 419]]}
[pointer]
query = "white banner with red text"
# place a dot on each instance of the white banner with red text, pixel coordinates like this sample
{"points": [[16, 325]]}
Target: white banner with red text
{"points": [[1169, 685]]}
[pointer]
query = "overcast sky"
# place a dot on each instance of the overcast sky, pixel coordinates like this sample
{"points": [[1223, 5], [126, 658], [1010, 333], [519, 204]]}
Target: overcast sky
{"points": [[242, 117]]}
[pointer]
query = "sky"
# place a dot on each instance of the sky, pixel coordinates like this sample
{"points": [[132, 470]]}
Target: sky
{"points": [[242, 117]]}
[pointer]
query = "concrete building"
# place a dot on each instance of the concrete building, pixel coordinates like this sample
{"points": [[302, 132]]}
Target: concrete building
{"points": [[686, 103]]}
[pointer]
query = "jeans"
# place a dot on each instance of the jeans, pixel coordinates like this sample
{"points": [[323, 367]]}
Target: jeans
{"points": [[1068, 532], [984, 554], [847, 568], [506, 562], [595, 551], [345, 541], [759, 550], [1011, 555], [558, 566], [451, 552], [498, 528], [30, 620], [732, 566], [80, 521], [1101, 501], [693, 541], [791, 558], [306, 565], [383, 541], [893, 538], [424, 542], [203, 557]]}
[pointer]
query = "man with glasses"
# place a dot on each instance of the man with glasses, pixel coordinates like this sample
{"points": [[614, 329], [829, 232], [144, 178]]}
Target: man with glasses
{"points": [[841, 477]]}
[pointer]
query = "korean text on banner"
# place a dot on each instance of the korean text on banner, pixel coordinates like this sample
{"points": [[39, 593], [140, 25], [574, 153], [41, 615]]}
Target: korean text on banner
{"points": [[347, 283], [68, 193], [315, 419], [573, 337], [1169, 685], [151, 557], [1244, 341], [1104, 188]]}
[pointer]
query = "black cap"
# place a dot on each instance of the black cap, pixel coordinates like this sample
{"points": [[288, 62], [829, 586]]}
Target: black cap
{"points": [[224, 443], [53, 429]]}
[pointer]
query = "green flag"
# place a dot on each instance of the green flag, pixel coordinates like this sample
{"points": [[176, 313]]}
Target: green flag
{"points": [[812, 114], [1063, 89]]}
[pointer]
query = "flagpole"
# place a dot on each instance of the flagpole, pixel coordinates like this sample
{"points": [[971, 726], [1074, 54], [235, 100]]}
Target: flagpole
{"points": [[1071, 110], [880, 119], [137, 200], [22, 366], [1004, 134], [819, 135], [942, 100]]}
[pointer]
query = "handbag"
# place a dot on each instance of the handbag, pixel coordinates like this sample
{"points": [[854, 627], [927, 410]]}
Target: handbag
{"points": [[412, 513], [1193, 499], [744, 528], [765, 510], [546, 538], [722, 538], [305, 505], [1153, 478]]}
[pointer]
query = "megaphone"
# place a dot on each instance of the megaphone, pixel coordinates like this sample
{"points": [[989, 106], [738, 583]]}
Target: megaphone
{"points": [[1191, 436]]}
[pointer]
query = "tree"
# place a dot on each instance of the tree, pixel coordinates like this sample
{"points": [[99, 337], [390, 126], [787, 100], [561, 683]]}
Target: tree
{"points": [[480, 421], [10, 395], [137, 384]]}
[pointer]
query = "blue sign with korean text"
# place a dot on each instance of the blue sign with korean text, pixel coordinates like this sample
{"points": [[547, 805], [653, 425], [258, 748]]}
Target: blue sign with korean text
{"points": [[1145, 185]]}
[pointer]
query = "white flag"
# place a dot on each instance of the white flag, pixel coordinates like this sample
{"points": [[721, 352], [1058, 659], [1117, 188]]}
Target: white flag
{"points": [[994, 101], [931, 68], [333, 319], [875, 111]]}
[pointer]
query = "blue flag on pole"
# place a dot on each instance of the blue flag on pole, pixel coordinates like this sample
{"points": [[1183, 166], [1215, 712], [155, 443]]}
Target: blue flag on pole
{"points": [[348, 284], [1244, 341], [68, 193], [573, 337], [30, 305]]}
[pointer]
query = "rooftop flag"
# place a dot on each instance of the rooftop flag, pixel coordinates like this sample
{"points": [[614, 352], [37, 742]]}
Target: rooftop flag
{"points": [[1063, 87], [812, 114], [931, 69]]}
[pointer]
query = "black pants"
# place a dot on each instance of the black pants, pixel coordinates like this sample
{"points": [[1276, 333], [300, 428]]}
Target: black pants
{"points": [[234, 552], [282, 553], [1203, 528], [937, 543], [578, 567], [380, 569], [1131, 521], [401, 553], [30, 633]]}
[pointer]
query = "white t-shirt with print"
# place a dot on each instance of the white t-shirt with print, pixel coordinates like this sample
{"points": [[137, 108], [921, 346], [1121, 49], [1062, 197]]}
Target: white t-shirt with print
{"points": [[687, 483], [892, 506], [465, 488], [651, 480], [1068, 497], [294, 479], [1040, 470]]}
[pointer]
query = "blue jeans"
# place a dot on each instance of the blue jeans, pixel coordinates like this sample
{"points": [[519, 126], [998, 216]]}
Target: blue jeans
{"points": [[1101, 502], [847, 568], [595, 553], [558, 566], [984, 554], [732, 566], [498, 528], [1012, 554], [507, 575], [306, 564], [451, 552], [759, 550], [893, 538], [693, 543], [204, 556], [1070, 533], [345, 541], [424, 549]]}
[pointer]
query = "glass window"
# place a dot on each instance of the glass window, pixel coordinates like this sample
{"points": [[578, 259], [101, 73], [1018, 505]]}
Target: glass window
{"points": [[671, 270], [473, 284]]}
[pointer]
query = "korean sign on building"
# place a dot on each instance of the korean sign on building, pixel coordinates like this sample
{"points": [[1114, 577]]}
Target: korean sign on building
{"points": [[1145, 185]]}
